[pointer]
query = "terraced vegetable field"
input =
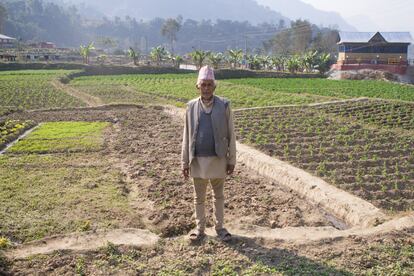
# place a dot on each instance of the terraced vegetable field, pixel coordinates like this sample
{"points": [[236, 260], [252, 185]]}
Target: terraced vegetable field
{"points": [[32, 89], [333, 88], [383, 114], [116, 169], [178, 89], [54, 137], [11, 129], [6, 110], [333, 141]]}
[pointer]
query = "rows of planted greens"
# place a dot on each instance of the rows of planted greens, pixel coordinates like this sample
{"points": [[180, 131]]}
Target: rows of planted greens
{"points": [[32, 89], [11, 129], [181, 88], [374, 161], [246, 92], [380, 113]]}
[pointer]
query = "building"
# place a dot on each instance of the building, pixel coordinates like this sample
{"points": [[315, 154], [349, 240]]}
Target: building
{"points": [[369, 50], [43, 45], [7, 57], [6, 41], [47, 45]]}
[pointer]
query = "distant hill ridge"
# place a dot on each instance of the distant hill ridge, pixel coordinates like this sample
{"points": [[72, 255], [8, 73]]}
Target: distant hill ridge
{"points": [[295, 9], [254, 11], [240, 10]]}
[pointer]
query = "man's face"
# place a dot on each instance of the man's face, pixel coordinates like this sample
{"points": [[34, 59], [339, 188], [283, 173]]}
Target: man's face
{"points": [[206, 89]]}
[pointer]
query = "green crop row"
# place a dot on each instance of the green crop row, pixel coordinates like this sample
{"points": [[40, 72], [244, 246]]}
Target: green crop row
{"points": [[33, 89], [249, 92], [381, 113], [11, 129], [62, 137], [333, 88], [373, 161], [182, 88]]}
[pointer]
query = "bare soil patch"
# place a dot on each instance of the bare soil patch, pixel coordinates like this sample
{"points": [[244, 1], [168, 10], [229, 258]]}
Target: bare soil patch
{"points": [[383, 254], [147, 143], [144, 144]]}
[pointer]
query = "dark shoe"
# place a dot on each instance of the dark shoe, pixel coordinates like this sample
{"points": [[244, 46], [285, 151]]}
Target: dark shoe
{"points": [[223, 234]]}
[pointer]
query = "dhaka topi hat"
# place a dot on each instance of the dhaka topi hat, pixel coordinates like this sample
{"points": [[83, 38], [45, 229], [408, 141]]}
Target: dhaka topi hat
{"points": [[205, 73]]}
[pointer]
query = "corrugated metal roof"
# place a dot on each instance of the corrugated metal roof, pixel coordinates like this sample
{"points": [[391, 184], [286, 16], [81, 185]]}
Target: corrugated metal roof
{"points": [[5, 37], [364, 37], [402, 37]]}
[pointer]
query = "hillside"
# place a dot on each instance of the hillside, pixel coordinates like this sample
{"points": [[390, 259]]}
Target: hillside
{"points": [[241, 10], [295, 9]]}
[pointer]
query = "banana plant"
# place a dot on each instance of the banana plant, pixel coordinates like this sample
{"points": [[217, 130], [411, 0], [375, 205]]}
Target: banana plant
{"points": [[216, 59], [85, 51], [198, 57], [264, 61], [310, 60], [134, 55], [235, 57], [176, 60], [254, 62], [158, 54], [323, 63], [293, 64]]}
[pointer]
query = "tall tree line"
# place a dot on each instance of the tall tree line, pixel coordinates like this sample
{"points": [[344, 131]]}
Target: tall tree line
{"points": [[301, 37], [37, 20]]}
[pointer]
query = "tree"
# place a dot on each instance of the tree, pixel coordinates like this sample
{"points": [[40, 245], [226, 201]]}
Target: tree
{"points": [[264, 61], [254, 62], [158, 54], [301, 36], [235, 57], [282, 42], [170, 29], [176, 60], [3, 17], [277, 62], [310, 60], [85, 52], [325, 41], [216, 59], [293, 64], [134, 55], [198, 57], [106, 42], [323, 63]]}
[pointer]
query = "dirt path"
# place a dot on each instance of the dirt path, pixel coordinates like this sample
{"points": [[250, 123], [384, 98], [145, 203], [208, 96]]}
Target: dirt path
{"points": [[84, 242], [88, 99], [301, 235], [144, 238]]}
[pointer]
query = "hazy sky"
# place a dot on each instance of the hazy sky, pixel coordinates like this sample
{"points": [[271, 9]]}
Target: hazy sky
{"points": [[387, 15]]}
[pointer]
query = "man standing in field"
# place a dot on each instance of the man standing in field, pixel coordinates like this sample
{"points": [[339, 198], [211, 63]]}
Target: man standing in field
{"points": [[208, 150]]}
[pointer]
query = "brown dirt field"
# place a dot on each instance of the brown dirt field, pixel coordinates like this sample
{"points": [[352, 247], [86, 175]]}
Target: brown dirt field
{"points": [[144, 143]]}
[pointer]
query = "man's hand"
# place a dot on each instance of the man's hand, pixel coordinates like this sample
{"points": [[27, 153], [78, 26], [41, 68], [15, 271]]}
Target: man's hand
{"points": [[230, 169], [186, 173]]}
